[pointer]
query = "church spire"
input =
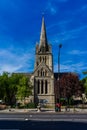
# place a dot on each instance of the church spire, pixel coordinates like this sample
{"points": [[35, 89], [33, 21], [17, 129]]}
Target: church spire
{"points": [[43, 37]]}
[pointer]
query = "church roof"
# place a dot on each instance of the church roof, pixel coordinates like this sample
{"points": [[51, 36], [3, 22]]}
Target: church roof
{"points": [[61, 74], [23, 73]]}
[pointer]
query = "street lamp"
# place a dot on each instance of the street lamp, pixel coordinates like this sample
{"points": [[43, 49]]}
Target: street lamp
{"points": [[60, 45]]}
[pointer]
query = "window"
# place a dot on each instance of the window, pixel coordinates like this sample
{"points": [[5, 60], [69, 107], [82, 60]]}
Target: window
{"points": [[46, 87], [45, 59], [38, 73], [42, 87], [41, 73], [45, 73], [38, 86], [40, 58]]}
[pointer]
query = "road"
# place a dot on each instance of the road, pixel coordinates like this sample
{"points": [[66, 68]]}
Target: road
{"points": [[44, 116], [43, 121]]}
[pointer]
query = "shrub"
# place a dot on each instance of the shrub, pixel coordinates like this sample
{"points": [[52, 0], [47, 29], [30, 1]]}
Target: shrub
{"points": [[30, 105]]}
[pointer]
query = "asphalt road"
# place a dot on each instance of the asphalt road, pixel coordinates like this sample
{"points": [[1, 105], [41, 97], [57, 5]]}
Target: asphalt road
{"points": [[43, 121], [44, 116]]}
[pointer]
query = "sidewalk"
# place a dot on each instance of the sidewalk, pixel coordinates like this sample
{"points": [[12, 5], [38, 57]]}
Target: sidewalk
{"points": [[12, 110], [43, 110], [71, 110]]}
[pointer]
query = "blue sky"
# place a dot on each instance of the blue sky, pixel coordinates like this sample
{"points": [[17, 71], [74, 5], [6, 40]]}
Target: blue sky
{"points": [[20, 26]]}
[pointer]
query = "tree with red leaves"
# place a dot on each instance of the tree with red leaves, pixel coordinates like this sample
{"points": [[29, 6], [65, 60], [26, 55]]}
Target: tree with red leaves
{"points": [[67, 86]]}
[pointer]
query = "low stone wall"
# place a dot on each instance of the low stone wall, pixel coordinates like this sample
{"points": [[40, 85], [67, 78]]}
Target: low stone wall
{"points": [[2, 107]]}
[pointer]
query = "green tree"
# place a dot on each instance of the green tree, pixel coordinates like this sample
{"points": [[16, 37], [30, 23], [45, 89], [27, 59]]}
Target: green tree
{"points": [[84, 82], [3, 85], [11, 89], [85, 72], [12, 85], [24, 88]]}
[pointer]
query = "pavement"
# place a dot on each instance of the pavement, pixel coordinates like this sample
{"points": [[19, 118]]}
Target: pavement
{"points": [[69, 110]]}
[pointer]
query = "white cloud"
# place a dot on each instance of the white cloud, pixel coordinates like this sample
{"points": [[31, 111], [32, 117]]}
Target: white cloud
{"points": [[9, 68], [67, 62], [72, 67], [68, 34], [77, 52], [63, 68], [74, 33], [11, 61], [58, 24]]}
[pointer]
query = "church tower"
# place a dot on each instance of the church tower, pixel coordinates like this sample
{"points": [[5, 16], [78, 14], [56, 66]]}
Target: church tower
{"points": [[44, 50], [43, 76]]}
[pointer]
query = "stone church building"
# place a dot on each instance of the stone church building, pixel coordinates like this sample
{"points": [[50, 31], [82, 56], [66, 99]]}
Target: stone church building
{"points": [[43, 76], [46, 91]]}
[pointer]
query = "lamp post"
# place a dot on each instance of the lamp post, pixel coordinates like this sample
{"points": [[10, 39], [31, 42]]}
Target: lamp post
{"points": [[60, 45]]}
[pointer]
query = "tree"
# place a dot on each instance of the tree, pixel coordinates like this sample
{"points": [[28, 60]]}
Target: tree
{"points": [[84, 82], [11, 89], [12, 85], [85, 72], [3, 85], [24, 88], [69, 85]]}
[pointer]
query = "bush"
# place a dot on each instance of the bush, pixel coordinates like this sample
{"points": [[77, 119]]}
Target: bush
{"points": [[13, 106], [30, 105]]}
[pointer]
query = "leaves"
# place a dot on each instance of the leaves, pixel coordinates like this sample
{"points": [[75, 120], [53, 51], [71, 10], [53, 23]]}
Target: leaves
{"points": [[85, 72], [14, 86], [84, 82], [68, 85]]}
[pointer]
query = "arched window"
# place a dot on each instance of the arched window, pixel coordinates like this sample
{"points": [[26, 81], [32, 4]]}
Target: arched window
{"points": [[45, 59], [41, 73], [46, 87], [40, 58], [38, 73], [45, 73], [42, 87], [38, 86]]}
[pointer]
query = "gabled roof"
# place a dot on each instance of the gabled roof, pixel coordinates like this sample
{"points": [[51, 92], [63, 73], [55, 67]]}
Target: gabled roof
{"points": [[42, 65]]}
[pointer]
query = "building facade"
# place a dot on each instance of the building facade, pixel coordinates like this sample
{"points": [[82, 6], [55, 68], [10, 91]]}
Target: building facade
{"points": [[43, 76]]}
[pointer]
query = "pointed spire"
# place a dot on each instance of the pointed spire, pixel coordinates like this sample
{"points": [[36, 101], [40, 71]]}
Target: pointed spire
{"points": [[43, 37]]}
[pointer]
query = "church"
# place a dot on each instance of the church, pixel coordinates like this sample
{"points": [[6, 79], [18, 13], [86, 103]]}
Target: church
{"points": [[42, 77], [46, 86]]}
